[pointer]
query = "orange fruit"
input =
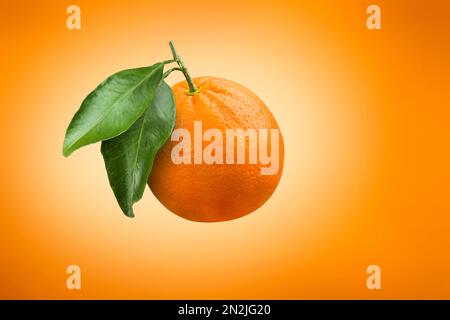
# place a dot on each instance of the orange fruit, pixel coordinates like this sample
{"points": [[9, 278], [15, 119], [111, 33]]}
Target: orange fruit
{"points": [[215, 192]]}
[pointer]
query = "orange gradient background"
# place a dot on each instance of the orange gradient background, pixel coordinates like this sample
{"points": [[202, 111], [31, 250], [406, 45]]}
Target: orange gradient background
{"points": [[365, 118]]}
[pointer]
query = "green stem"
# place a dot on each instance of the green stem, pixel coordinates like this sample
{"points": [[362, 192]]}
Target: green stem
{"points": [[170, 71], [168, 61], [192, 89]]}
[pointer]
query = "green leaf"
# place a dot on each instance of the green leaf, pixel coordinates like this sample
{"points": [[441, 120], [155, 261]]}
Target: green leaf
{"points": [[129, 157], [113, 106]]}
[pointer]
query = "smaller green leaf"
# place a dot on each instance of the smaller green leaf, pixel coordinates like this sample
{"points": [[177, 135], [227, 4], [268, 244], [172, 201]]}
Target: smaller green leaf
{"points": [[113, 106], [129, 157]]}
